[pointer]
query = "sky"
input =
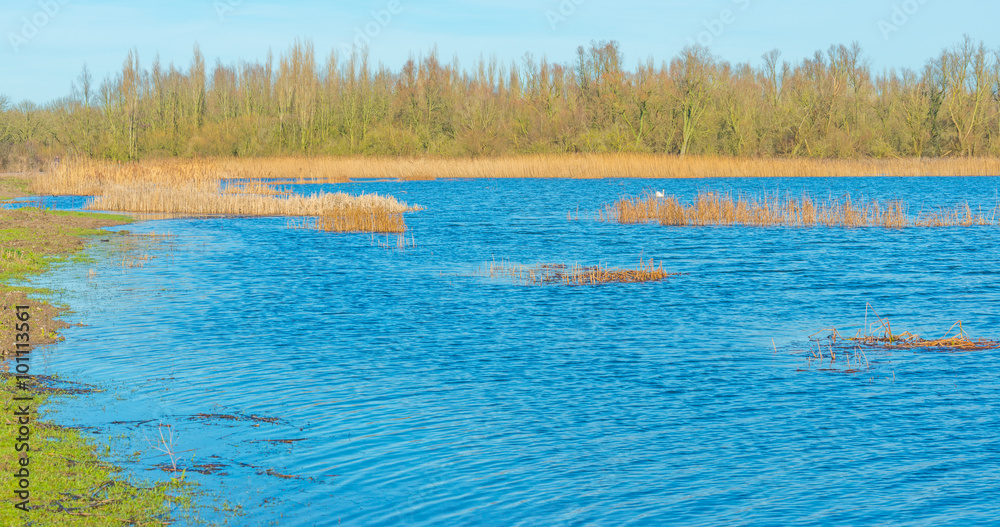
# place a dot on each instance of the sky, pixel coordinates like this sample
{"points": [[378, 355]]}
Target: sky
{"points": [[47, 42]]}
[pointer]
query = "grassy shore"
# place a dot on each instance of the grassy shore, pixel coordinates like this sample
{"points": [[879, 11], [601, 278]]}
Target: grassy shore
{"points": [[68, 481], [15, 185]]}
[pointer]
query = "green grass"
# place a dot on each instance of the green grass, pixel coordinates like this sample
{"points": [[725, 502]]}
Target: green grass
{"points": [[18, 263], [97, 215], [71, 483], [13, 187]]}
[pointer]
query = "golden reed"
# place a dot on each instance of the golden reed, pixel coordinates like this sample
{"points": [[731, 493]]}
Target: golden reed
{"points": [[574, 274], [86, 177], [879, 334], [710, 208], [221, 187], [245, 186], [197, 200], [878, 339]]}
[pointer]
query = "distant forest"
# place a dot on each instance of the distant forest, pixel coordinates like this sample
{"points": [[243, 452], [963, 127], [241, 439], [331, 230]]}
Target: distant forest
{"points": [[829, 106]]}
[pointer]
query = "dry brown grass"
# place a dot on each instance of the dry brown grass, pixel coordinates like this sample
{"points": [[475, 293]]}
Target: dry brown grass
{"points": [[876, 340], [574, 274], [361, 219], [879, 334], [197, 187], [652, 166], [710, 208], [202, 200], [44, 322], [87, 177], [254, 187]]}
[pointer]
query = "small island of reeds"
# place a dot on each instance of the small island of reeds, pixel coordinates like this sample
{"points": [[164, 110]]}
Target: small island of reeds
{"points": [[574, 274], [713, 208], [874, 341], [193, 188]]}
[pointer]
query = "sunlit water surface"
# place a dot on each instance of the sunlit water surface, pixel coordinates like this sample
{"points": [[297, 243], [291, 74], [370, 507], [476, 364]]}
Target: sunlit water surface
{"points": [[377, 386]]}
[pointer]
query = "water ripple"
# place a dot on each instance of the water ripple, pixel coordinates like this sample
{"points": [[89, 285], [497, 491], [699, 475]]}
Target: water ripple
{"points": [[397, 387]]}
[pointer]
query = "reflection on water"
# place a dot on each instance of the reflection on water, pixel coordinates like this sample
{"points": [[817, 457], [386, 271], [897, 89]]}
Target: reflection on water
{"points": [[313, 378]]}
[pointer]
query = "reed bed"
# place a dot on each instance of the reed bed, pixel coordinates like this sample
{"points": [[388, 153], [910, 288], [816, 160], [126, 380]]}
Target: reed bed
{"points": [[651, 166], [202, 200], [236, 187], [657, 166], [257, 187], [337, 211], [358, 219], [87, 177], [712, 208], [575, 274]]}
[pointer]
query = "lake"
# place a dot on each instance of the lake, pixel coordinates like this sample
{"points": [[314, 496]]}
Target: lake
{"points": [[323, 379]]}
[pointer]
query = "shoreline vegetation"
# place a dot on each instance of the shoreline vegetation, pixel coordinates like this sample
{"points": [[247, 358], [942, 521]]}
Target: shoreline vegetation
{"points": [[70, 481], [89, 177], [249, 187]]}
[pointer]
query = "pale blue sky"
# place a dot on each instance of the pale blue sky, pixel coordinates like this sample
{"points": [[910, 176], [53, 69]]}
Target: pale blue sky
{"points": [[46, 42]]}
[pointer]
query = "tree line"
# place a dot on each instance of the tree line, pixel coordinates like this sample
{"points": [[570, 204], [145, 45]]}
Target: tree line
{"points": [[831, 105]]}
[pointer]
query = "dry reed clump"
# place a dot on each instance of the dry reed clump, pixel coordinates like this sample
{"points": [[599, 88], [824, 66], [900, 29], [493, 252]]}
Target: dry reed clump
{"points": [[195, 187], [355, 219], [206, 200], [574, 274], [835, 352], [335, 211], [711, 208], [879, 334], [87, 177], [400, 244], [255, 187]]}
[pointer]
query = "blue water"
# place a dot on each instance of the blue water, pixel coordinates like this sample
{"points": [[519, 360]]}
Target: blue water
{"points": [[424, 394]]}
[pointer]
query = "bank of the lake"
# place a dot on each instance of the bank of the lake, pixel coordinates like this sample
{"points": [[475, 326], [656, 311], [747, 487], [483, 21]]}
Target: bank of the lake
{"points": [[15, 185], [61, 476]]}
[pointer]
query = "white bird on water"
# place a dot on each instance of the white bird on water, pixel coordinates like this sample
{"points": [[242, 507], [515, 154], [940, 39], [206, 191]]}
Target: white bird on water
{"points": [[660, 194]]}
